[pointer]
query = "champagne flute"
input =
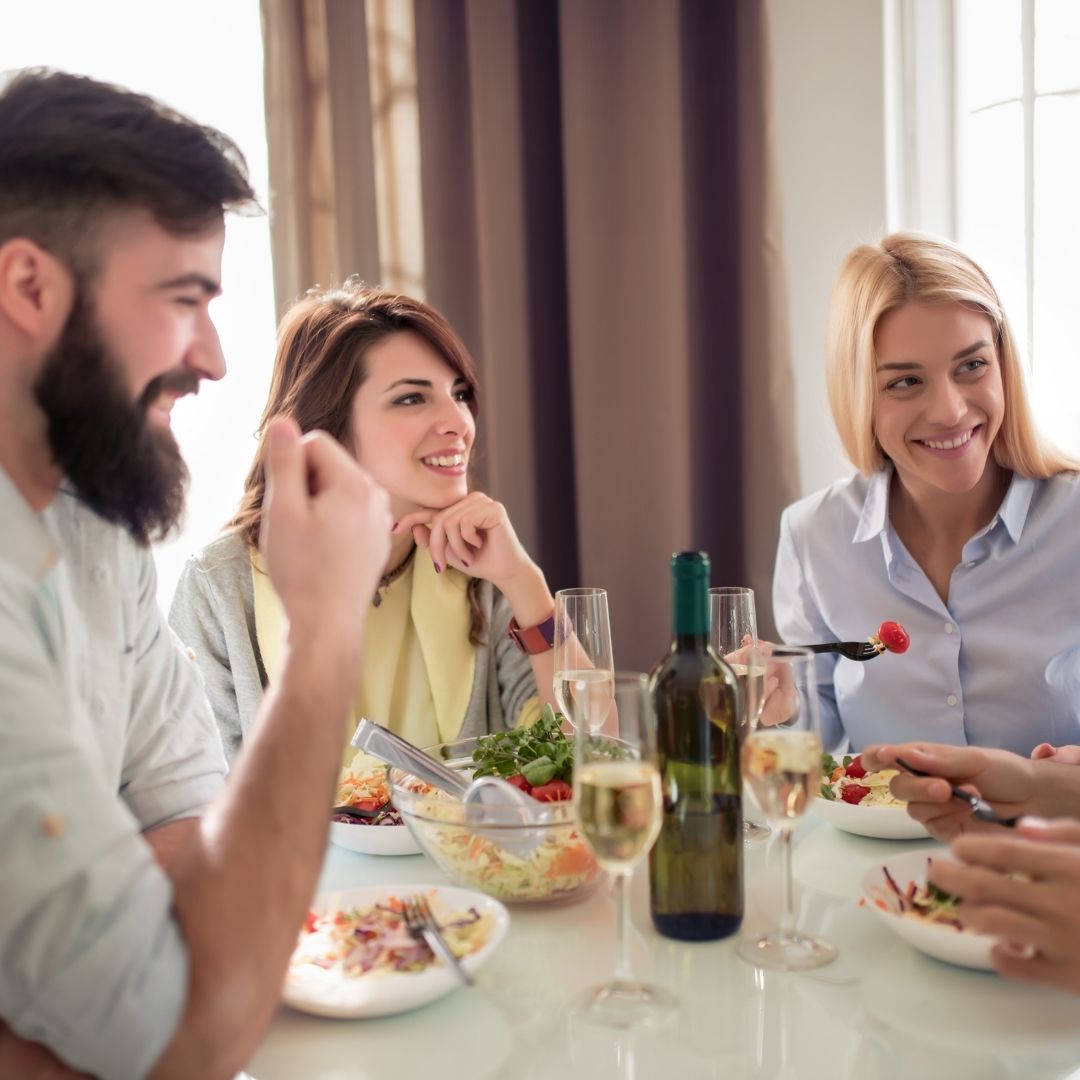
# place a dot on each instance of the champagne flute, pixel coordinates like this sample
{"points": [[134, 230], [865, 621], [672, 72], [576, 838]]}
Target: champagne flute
{"points": [[733, 619], [584, 669], [617, 800], [782, 765]]}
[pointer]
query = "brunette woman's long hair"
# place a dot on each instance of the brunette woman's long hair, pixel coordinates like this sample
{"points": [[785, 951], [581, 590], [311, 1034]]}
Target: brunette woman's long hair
{"points": [[319, 366]]}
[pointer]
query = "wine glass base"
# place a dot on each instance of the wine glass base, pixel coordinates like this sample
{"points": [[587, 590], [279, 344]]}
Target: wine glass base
{"points": [[779, 951], [754, 830], [624, 1005]]}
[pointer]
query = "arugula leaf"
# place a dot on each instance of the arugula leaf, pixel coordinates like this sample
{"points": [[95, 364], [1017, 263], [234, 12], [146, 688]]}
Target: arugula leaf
{"points": [[540, 752], [827, 793]]}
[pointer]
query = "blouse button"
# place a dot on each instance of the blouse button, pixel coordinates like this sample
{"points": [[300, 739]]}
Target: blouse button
{"points": [[951, 699], [949, 628]]}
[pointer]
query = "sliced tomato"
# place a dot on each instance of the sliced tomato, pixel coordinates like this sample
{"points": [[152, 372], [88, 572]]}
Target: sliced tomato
{"points": [[519, 781], [853, 793], [553, 791], [855, 770], [310, 921]]}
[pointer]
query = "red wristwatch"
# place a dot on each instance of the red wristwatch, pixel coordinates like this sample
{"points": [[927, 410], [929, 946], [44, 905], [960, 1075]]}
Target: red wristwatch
{"points": [[534, 639]]}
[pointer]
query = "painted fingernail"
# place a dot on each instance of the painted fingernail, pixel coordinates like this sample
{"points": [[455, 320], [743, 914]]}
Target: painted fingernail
{"points": [[438, 569], [464, 563], [394, 529]]}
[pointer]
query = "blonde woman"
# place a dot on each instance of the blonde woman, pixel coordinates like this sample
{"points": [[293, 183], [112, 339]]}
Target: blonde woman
{"points": [[461, 626], [961, 522]]}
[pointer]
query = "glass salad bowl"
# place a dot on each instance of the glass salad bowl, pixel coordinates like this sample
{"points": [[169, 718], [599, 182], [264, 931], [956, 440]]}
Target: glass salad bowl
{"points": [[488, 847]]}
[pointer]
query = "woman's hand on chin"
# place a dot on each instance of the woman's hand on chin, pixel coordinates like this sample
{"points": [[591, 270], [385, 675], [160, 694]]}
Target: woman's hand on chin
{"points": [[474, 535]]}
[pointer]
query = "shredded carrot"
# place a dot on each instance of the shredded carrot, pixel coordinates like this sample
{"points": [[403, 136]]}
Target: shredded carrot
{"points": [[577, 859]]}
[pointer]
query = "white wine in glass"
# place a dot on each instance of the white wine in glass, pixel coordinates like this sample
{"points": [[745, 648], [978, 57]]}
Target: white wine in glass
{"points": [[617, 801], [782, 766], [584, 669], [733, 636]]}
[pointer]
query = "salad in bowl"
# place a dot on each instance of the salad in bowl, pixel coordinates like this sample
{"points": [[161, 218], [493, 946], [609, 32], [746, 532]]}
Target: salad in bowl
{"points": [[490, 847], [859, 801]]}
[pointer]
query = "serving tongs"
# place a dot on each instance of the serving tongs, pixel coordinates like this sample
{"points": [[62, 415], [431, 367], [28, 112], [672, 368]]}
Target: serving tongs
{"points": [[488, 800], [980, 808], [382, 743]]}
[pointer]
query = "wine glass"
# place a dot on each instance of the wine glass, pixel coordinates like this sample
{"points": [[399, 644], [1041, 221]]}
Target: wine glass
{"points": [[618, 804], [584, 669], [782, 765], [732, 621]]}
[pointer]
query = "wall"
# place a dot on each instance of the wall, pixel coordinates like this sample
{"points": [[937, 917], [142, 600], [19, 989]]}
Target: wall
{"points": [[828, 65]]}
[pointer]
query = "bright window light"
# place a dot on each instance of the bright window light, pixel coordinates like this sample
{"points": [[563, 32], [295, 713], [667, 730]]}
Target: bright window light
{"points": [[206, 60]]}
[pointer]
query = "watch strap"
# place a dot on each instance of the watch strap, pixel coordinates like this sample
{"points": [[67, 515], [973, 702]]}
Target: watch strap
{"points": [[534, 639]]}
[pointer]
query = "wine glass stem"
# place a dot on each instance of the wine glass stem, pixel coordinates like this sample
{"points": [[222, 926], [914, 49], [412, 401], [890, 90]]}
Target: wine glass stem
{"points": [[787, 917], [622, 920]]}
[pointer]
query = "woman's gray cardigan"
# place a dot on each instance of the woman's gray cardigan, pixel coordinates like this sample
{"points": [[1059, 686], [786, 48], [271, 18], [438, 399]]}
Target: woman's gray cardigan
{"points": [[213, 613]]}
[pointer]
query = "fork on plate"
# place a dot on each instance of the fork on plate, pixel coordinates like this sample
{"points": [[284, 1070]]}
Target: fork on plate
{"points": [[853, 650], [980, 808], [420, 922]]}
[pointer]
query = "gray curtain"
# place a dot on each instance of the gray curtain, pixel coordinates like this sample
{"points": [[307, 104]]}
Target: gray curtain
{"points": [[601, 225]]}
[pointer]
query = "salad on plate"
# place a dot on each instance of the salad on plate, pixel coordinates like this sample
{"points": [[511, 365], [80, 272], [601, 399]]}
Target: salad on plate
{"points": [[363, 783], [849, 782], [355, 957]]}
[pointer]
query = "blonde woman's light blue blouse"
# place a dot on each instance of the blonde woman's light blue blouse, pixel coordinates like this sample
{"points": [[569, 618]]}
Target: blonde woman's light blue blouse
{"points": [[998, 665]]}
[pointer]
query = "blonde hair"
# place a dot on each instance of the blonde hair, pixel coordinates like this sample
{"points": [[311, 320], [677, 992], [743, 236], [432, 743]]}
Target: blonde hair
{"points": [[901, 269]]}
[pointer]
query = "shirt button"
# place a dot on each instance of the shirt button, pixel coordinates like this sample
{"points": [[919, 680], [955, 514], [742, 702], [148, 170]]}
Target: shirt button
{"points": [[949, 628], [952, 699], [971, 565]]}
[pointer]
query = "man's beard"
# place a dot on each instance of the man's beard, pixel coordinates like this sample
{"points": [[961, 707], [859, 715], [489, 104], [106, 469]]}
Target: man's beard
{"points": [[126, 471]]}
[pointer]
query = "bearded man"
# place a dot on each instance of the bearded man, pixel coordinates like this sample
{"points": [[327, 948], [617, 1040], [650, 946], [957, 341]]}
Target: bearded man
{"points": [[147, 908]]}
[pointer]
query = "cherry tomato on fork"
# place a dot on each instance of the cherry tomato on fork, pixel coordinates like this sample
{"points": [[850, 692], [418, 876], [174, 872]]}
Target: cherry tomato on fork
{"points": [[893, 636]]}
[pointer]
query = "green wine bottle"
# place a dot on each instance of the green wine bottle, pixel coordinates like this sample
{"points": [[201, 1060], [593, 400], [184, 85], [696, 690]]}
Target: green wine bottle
{"points": [[696, 865]]}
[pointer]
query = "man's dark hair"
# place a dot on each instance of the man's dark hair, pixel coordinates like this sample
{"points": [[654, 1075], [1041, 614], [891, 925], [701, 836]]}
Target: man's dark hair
{"points": [[72, 149]]}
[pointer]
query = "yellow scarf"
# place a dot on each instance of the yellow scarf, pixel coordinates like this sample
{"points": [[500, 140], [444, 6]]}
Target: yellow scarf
{"points": [[419, 666]]}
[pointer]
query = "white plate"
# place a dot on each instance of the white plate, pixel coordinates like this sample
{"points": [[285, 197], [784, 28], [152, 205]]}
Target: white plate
{"points": [[961, 947], [880, 822], [327, 993], [374, 839]]}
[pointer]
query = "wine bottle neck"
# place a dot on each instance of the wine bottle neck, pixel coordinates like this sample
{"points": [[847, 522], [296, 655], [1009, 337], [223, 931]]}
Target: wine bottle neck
{"points": [[690, 609]]}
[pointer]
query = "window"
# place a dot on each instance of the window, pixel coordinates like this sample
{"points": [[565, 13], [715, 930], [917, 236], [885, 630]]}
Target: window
{"points": [[984, 113], [206, 60]]}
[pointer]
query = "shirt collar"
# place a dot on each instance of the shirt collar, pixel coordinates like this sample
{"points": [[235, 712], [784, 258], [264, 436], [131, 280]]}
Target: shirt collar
{"points": [[28, 544], [1014, 507], [875, 511]]}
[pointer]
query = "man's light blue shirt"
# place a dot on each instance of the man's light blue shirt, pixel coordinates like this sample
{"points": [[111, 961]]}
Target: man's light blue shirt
{"points": [[104, 733], [998, 665]]}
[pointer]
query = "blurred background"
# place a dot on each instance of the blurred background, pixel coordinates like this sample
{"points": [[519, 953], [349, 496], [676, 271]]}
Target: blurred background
{"points": [[632, 211]]}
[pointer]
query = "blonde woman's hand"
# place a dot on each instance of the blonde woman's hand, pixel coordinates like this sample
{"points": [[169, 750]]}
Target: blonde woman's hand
{"points": [[474, 536], [781, 700]]}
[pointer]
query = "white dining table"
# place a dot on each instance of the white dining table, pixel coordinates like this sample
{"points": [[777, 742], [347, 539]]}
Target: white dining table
{"points": [[880, 1011]]}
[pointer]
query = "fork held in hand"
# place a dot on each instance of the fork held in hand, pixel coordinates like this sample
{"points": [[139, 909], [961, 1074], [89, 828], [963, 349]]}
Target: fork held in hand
{"points": [[980, 808], [853, 650], [420, 922]]}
